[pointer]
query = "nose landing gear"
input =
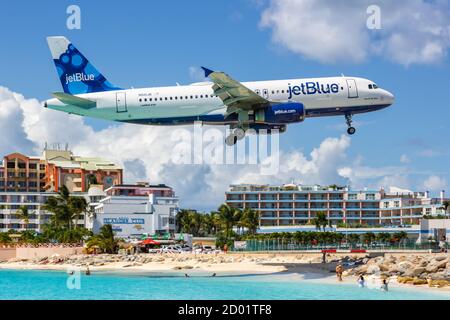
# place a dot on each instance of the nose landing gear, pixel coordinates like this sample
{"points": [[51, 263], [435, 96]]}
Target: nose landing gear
{"points": [[351, 130]]}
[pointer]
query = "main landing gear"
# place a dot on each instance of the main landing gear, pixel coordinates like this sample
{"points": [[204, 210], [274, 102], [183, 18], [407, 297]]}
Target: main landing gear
{"points": [[235, 136], [351, 130]]}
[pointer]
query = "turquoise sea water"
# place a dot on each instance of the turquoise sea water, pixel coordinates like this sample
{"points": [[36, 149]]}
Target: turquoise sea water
{"points": [[45, 285]]}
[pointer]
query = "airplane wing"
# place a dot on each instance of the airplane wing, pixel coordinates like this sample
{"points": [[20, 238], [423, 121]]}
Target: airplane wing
{"points": [[74, 100], [237, 97]]}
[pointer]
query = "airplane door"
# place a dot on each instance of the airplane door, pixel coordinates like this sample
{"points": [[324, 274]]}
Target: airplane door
{"points": [[121, 102], [352, 89], [265, 94]]}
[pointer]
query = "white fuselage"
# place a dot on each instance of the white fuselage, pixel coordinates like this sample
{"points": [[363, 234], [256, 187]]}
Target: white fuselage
{"points": [[197, 102]]}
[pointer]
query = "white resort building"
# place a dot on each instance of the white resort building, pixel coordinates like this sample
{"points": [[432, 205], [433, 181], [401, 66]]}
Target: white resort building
{"points": [[296, 205], [134, 210]]}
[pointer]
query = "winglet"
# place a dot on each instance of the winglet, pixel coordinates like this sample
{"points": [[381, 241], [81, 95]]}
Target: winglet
{"points": [[207, 71]]}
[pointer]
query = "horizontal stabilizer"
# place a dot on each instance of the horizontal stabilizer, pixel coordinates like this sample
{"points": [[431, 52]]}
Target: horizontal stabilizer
{"points": [[75, 101]]}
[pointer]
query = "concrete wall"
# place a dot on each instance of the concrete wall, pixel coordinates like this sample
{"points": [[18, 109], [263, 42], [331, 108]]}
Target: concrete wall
{"points": [[7, 253], [32, 253]]}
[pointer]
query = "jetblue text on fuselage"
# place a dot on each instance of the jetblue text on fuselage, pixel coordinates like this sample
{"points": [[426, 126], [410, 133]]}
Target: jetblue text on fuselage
{"points": [[312, 88], [77, 77]]}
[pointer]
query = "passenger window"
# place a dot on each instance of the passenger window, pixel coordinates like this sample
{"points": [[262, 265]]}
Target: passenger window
{"points": [[150, 99], [282, 91], [140, 100], [192, 97], [181, 97], [196, 97], [165, 98], [273, 92], [145, 99]]}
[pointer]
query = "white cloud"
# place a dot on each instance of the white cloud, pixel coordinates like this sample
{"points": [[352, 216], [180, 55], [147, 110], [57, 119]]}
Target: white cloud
{"points": [[412, 31], [435, 183], [146, 153], [404, 159], [196, 74]]}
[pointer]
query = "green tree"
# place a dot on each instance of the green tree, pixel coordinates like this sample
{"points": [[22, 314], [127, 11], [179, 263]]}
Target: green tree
{"points": [[105, 240], [369, 237], [321, 220], [227, 216], [250, 220], [5, 238], [24, 215]]}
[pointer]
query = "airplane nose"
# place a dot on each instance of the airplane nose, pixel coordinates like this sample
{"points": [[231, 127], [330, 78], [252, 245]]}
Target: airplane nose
{"points": [[388, 97]]}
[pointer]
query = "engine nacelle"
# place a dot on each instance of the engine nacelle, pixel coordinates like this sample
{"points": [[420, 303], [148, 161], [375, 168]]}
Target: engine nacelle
{"points": [[281, 113]]}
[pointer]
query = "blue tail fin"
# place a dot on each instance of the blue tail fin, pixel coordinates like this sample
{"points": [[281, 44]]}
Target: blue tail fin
{"points": [[76, 73]]}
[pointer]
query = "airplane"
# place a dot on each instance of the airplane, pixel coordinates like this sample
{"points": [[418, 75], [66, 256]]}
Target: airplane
{"points": [[265, 106]]}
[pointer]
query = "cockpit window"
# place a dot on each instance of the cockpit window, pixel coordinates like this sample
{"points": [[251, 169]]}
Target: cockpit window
{"points": [[370, 86], [375, 86]]}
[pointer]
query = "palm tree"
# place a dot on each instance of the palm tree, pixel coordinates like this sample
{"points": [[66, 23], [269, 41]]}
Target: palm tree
{"points": [[250, 220], [77, 206], [321, 220], [24, 215], [105, 240], [59, 206], [227, 218]]}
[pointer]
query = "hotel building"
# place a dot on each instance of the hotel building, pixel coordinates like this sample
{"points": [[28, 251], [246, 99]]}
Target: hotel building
{"points": [[134, 210], [29, 181], [296, 205], [56, 167]]}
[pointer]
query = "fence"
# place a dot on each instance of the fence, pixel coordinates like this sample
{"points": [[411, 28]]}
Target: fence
{"points": [[285, 245]]}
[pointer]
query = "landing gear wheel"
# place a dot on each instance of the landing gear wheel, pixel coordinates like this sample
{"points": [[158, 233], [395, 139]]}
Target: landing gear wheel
{"points": [[239, 133], [231, 140], [351, 130]]}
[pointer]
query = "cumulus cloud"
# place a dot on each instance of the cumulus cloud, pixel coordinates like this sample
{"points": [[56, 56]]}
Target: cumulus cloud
{"points": [[146, 153], [435, 183], [404, 159], [412, 31]]}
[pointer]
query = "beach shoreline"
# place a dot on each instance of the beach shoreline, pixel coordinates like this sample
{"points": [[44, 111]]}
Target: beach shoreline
{"points": [[307, 267]]}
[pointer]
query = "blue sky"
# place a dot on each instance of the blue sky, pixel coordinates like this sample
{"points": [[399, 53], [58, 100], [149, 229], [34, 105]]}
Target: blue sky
{"points": [[153, 43]]}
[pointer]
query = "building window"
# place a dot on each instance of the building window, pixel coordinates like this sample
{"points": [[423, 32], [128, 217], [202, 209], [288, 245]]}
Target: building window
{"points": [[370, 196]]}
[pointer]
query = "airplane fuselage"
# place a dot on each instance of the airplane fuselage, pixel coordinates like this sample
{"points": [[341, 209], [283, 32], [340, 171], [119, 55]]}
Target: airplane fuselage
{"points": [[182, 105]]}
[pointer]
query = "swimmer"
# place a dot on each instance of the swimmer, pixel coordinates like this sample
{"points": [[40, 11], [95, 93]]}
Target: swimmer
{"points": [[213, 275], [186, 275], [88, 272], [361, 281]]}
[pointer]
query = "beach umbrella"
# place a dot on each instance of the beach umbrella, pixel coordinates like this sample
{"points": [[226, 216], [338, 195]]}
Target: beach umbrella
{"points": [[150, 241]]}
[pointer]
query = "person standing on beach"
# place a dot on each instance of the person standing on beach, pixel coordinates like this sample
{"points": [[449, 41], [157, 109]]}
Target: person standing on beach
{"points": [[384, 286], [339, 271]]}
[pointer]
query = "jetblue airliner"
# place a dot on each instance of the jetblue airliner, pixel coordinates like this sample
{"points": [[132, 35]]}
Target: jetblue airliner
{"points": [[260, 105]]}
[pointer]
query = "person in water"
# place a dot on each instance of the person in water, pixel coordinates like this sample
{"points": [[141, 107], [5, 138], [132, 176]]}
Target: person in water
{"points": [[361, 281], [88, 272], [213, 275], [186, 275], [384, 285], [339, 271]]}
